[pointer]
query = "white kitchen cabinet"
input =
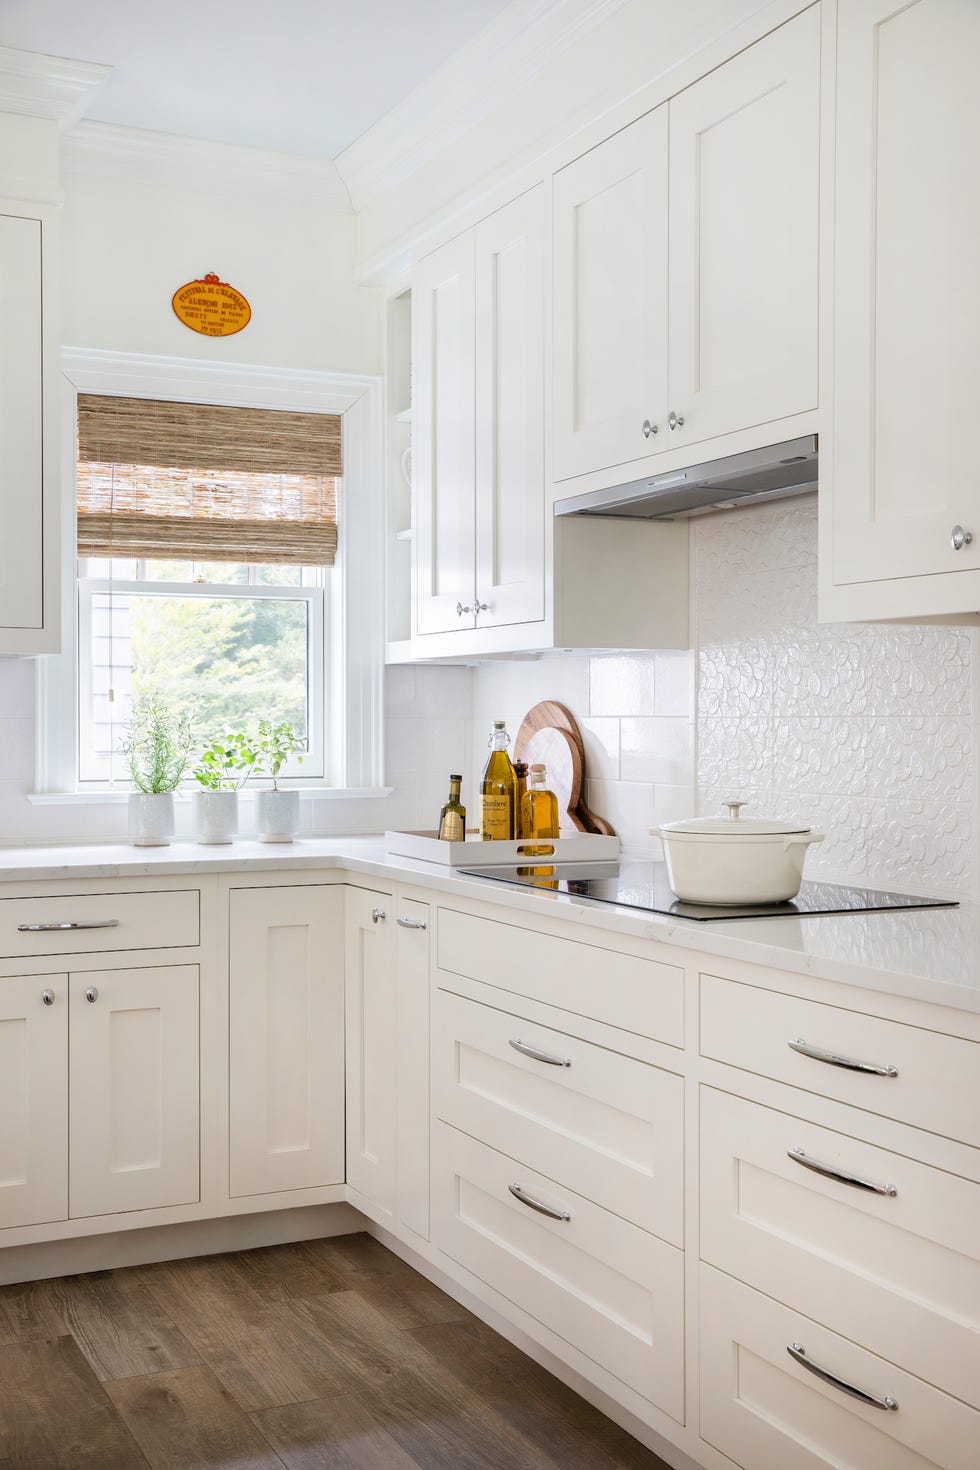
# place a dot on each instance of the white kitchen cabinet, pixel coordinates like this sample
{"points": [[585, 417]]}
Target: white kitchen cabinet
{"points": [[387, 1033], [286, 1038], [907, 313], [370, 1037], [33, 1099], [134, 1137], [744, 212], [686, 266], [610, 292], [29, 470], [479, 425]]}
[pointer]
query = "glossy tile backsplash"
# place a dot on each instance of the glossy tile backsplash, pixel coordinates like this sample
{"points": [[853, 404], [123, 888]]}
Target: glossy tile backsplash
{"points": [[865, 729]]}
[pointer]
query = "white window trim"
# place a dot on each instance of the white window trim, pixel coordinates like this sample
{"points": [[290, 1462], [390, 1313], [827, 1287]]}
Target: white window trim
{"points": [[355, 617]]}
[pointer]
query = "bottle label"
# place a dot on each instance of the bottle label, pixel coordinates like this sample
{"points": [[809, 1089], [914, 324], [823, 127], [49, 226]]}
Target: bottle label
{"points": [[452, 827], [496, 813]]}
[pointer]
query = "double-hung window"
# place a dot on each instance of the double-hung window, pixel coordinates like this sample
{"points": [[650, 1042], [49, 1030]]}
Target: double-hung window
{"points": [[206, 542]]}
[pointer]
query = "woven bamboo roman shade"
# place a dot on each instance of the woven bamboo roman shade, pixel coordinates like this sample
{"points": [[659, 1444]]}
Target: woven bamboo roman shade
{"points": [[201, 482]]}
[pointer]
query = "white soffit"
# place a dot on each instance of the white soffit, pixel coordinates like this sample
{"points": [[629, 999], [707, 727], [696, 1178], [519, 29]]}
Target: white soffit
{"points": [[508, 53], [48, 86], [105, 150]]}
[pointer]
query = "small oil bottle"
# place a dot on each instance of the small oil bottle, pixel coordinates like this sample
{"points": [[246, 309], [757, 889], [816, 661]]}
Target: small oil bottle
{"points": [[452, 818], [498, 819], [539, 810], [520, 778]]}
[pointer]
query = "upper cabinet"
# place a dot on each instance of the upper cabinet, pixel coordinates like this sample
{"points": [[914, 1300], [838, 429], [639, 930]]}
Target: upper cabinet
{"points": [[479, 425], [686, 266], [901, 530], [29, 474]]}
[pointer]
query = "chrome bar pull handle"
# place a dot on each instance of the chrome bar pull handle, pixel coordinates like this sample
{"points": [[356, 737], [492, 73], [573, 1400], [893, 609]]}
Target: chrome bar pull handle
{"points": [[538, 1056], [797, 1352], [71, 924], [517, 1191], [411, 923], [833, 1060], [800, 1156]]}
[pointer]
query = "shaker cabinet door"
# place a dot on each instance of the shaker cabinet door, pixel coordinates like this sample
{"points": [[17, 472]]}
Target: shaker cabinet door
{"points": [[21, 428], [610, 301], [33, 1099], [371, 1045], [744, 197], [907, 294], [443, 425]]}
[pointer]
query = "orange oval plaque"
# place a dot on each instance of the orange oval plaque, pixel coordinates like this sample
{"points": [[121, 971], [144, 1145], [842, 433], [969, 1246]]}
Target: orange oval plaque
{"points": [[211, 307]]}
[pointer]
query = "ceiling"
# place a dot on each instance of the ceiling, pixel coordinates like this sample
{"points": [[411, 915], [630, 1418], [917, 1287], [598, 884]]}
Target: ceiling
{"points": [[300, 76]]}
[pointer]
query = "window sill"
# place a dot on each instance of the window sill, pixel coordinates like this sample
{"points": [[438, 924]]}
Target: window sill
{"points": [[117, 798]]}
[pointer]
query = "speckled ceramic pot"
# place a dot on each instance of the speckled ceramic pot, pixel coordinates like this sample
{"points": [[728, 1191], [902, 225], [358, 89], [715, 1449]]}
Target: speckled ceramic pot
{"points": [[151, 818], [277, 815], [215, 816]]}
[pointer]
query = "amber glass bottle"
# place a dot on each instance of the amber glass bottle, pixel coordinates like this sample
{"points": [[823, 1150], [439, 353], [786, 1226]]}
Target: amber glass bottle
{"points": [[520, 778], [497, 789], [539, 810]]}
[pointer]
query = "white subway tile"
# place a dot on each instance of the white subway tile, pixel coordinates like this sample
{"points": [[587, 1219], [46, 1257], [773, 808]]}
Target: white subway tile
{"points": [[674, 684], [628, 807], [622, 684], [660, 750], [600, 736]]}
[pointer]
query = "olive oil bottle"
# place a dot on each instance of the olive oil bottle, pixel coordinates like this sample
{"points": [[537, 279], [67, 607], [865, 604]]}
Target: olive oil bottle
{"points": [[498, 789], [452, 818], [539, 811], [520, 775]]}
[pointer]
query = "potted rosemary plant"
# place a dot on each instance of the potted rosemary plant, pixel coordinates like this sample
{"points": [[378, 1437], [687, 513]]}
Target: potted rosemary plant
{"points": [[224, 766], [277, 811], [158, 750]]}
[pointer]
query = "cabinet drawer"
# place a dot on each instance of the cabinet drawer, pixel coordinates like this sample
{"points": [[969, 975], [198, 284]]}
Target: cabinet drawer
{"points": [[624, 990], [611, 1127], [610, 1290], [899, 1273], [935, 1081], [99, 922], [768, 1412]]}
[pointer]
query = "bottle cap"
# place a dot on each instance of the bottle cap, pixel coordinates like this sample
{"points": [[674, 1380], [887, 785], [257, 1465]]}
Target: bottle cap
{"points": [[538, 766], [500, 724], [454, 777]]}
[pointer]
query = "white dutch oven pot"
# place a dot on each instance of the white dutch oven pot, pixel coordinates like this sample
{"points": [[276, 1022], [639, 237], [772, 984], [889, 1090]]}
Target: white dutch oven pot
{"points": [[735, 860]]}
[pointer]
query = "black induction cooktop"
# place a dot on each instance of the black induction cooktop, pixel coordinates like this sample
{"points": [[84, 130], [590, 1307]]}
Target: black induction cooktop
{"points": [[643, 885]]}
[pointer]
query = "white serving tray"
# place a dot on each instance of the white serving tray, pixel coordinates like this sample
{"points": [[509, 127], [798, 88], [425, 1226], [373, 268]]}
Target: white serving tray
{"points": [[474, 853]]}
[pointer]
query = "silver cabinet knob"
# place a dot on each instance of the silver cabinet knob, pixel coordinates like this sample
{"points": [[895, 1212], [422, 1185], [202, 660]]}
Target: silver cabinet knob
{"points": [[675, 420], [649, 428], [377, 915], [91, 994], [958, 538], [461, 609], [482, 607], [48, 997]]}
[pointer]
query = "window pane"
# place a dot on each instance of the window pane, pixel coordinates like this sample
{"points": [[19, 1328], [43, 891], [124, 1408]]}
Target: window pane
{"points": [[223, 661], [277, 576], [167, 571]]}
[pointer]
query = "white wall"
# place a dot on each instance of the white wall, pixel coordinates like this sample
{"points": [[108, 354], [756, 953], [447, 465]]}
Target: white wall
{"points": [[868, 730]]}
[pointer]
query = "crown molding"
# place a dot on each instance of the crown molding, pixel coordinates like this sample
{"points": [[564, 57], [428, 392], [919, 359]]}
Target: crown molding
{"points": [[507, 54], [107, 150], [48, 86]]}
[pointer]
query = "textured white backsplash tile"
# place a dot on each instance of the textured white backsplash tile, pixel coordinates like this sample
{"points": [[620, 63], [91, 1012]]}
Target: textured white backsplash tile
{"points": [[865, 729]]}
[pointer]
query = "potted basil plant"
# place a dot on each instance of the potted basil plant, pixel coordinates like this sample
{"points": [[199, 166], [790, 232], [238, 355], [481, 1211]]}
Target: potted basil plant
{"points": [[223, 768], [277, 811], [158, 750]]}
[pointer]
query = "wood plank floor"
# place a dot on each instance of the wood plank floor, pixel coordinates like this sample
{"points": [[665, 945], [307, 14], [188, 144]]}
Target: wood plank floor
{"points": [[327, 1355]]}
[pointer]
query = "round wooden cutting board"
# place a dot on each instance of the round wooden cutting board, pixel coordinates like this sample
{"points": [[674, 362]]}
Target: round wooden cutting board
{"points": [[564, 755]]}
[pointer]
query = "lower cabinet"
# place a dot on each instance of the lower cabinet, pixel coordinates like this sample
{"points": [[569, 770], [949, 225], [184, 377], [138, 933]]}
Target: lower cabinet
{"points": [[286, 1038], [387, 1038], [33, 1099], [134, 1088]]}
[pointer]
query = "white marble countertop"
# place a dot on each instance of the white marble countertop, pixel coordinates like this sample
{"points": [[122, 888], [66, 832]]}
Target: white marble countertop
{"points": [[922, 954]]}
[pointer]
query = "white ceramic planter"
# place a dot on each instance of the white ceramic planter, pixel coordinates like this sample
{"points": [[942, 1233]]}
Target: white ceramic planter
{"points": [[151, 818], [215, 816], [735, 861], [277, 815]]}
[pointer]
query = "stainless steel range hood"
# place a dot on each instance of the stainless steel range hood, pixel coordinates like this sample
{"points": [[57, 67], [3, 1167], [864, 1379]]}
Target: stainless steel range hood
{"points": [[758, 474]]}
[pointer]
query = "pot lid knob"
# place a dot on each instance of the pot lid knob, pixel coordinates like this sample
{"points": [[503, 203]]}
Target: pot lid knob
{"points": [[734, 809]]}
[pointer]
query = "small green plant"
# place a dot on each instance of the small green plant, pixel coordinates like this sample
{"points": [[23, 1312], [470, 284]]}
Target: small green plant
{"points": [[273, 746], [226, 763], [159, 746]]}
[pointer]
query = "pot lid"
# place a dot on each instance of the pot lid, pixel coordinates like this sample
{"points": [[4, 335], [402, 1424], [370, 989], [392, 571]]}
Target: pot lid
{"points": [[735, 825]]}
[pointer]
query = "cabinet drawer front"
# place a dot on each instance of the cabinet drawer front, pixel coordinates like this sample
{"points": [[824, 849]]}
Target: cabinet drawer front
{"points": [[936, 1083], [99, 922], [622, 990], [609, 1289], [898, 1273], [768, 1412], [610, 1127]]}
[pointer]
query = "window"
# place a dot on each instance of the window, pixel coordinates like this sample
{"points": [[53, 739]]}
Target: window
{"points": [[206, 541]]}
